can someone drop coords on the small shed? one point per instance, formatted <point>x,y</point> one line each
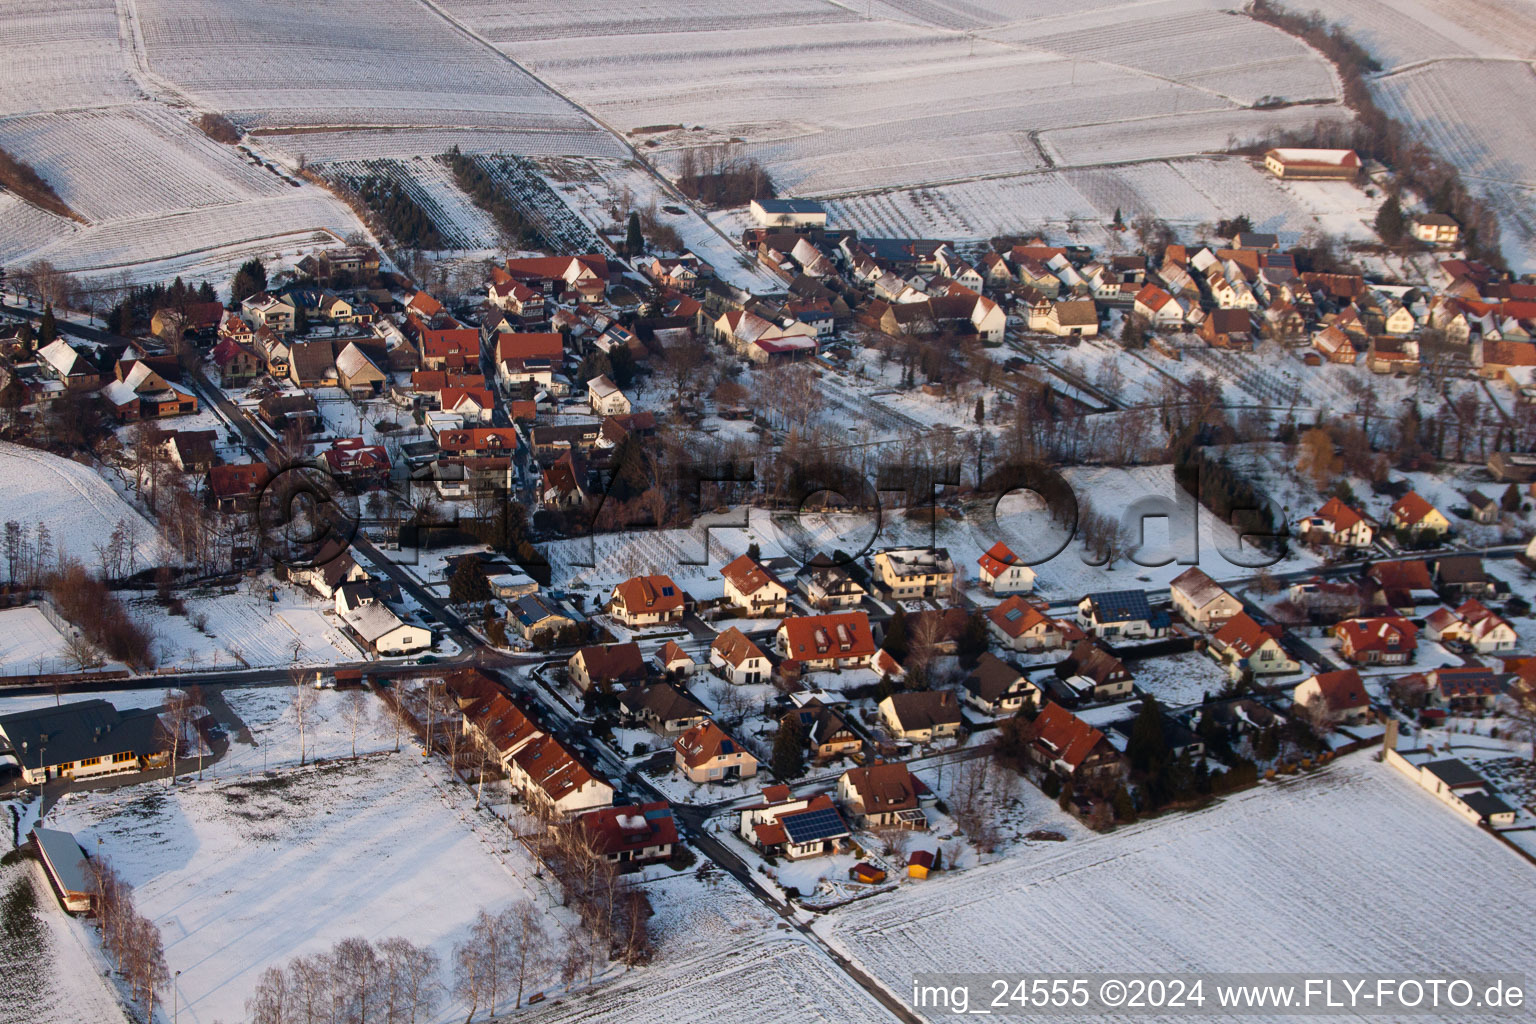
<point>919,863</point>
<point>867,873</point>
<point>64,863</point>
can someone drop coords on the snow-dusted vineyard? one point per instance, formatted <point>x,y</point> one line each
<point>61,55</point>
<point>462,224</point>
<point>563,229</point>
<point>1232,888</point>
<point>353,62</point>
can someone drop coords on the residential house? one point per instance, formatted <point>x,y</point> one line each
<point>1065,744</point>
<point>1414,515</point>
<point>1402,585</point>
<point>237,487</point>
<point>191,451</point>
<point>312,364</point>
<point>1336,525</point>
<point>357,465</point>
<point>1340,695</point>
<point>1467,689</point>
<point>1121,615</point>
<point>534,618</point>
<point>83,740</point>
<point>142,393</point>
<point>1093,671</point>
<point>67,870</point>
<point>793,827</point>
<point>1475,624</point>
<point>1243,644</point>
<point>1335,345</point>
<point>1002,572</point>
<point>763,341</point>
<point>1021,626</point>
<point>1462,576</point>
<point>1228,328</point>
<point>1073,318</point>
<point>642,601</point>
<point>1158,308</point>
<point>605,398</point>
<point>1388,640</point>
<point>915,572</point>
<point>672,658</point>
<point>633,835</point>
<point>826,733</point>
<point>921,716</point>
<point>738,659</point>
<point>274,312</point>
<point>237,363</point>
<point>881,795</point>
<point>750,586</point>
<point>829,642</point>
<point>827,586</point>
<point>706,754</point>
<point>796,214</point>
<point>549,774</point>
<point>357,374</point>
<point>1201,601</point>
<point>995,687</point>
<point>1435,229</point>
<point>605,665</point>
<point>662,707</point>
<point>530,360</point>
<point>1485,511</point>
<point>384,633</point>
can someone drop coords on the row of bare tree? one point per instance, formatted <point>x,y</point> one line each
<point>130,939</point>
<point>354,982</point>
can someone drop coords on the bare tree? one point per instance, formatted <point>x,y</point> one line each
<point>356,712</point>
<point>469,974</point>
<point>527,945</point>
<point>411,986</point>
<point>176,718</point>
<point>303,701</point>
<point>272,1001</point>
<point>146,966</point>
<point>356,974</point>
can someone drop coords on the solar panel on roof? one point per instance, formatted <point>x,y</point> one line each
<point>666,591</point>
<point>1121,604</point>
<point>813,826</point>
<point>1013,614</point>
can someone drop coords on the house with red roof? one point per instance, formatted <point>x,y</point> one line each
<point>882,794</point>
<point>738,659</point>
<point>1472,623</point>
<point>632,835</point>
<point>1338,695</point>
<point>1244,644</point>
<point>1022,626</point>
<point>814,643</point>
<point>706,754</point>
<point>1061,742</point>
<point>752,587</point>
<point>1158,307</point>
<point>1002,572</point>
<point>1388,640</point>
<point>793,827</point>
<point>1416,516</point>
<point>642,601</point>
<point>1336,525</point>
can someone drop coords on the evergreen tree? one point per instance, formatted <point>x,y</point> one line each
<point>754,552</point>
<point>205,293</point>
<point>634,241</point>
<point>973,640</point>
<point>1051,784</point>
<point>26,338</point>
<point>1510,502</point>
<point>468,584</point>
<point>1148,747</point>
<point>1119,220</point>
<point>47,327</point>
<point>250,279</point>
<point>1125,807</point>
<point>1389,220</point>
<point>789,749</point>
<point>300,318</point>
<point>981,410</point>
<point>896,642</point>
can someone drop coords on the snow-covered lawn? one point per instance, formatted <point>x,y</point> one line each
<point>244,872</point>
<point>1230,888</point>
<point>248,629</point>
<point>79,508</point>
<point>29,643</point>
<point>1179,679</point>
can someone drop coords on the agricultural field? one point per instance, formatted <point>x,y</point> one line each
<point>1225,889</point>
<point>62,55</point>
<point>461,224</point>
<point>223,631</point>
<point>29,643</point>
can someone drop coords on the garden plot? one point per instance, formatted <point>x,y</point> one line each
<point>1178,680</point>
<point>62,55</point>
<point>1224,889</point>
<point>249,630</point>
<point>79,507</point>
<point>244,873</point>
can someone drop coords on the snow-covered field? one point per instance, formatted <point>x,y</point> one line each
<point>247,630</point>
<point>79,508</point>
<point>243,871</point>
<point>1313,874</point>
<point>29,643</point>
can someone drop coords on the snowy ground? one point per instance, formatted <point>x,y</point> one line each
<point>248,871</point>
<point>1225,889</point>
<point>1179,679</point>
<point>79,508</point>
<point>29,643</point>
<point>52,974</point>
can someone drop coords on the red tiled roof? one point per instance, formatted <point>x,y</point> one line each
<point>1411,509</point>
<point>1068,738</point>
<point>748,575</point>
<point>816,637</point>
<point>649,594</point>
